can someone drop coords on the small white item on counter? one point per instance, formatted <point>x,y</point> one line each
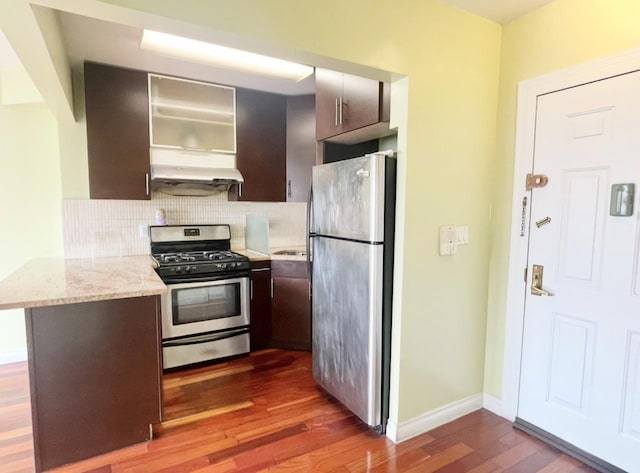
<point>161,217</point>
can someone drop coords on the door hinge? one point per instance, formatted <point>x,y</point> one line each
<point>526,271</point>
<point>536,180</point>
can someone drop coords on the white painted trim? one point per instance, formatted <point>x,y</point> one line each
<point>493,404</point>
<point>392,431</point>
<point>432,419</point>
<point>528,91</point>
<point>13,356</point>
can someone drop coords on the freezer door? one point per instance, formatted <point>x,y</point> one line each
<point>347,324</point>
<point>348,198</point>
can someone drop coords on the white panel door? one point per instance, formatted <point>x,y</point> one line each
<point>580,374</point>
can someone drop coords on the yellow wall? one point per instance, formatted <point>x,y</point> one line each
<point>452,60</point>
<point>16,87</point>
<point>30,215</point>
<point>556,36</point>
<point>453,167</point>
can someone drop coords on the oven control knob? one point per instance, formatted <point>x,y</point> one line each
<point>187,269</point>
<point>221,265</point>
<point>178,269</point>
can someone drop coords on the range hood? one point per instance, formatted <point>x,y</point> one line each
<point>185,172</point>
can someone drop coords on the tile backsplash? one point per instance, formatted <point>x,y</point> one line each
<point>96,228</point>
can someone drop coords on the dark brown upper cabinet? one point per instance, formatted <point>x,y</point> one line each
<point>350,109</point>
<point>261,130</point>
<point>117,108</point>
<point>301,146</point>
<point>274,153</point>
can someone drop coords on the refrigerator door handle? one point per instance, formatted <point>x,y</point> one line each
<point>309,264</point>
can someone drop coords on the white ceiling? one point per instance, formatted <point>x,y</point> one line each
<point>500,11</point>
<point>111,43</point>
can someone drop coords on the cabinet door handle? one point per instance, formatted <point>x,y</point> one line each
<point>340,110</point>
<point>239,189</point>
<point>309,290</point>
<point>272,284</point>
<point>289,188</point>
<point>336,110</point>
<point>146,182</point>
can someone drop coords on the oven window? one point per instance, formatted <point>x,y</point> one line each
<point>205,303</point>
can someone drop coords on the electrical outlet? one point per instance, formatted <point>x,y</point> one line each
<point>143,231</point>
<point>448,238</point>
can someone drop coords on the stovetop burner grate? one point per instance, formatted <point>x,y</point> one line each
<point>198,257</point>
<point>195,251</point>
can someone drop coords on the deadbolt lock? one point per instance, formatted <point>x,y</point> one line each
<point>536,180</point>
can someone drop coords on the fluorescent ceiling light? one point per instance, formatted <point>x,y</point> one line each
<point>221,56</point>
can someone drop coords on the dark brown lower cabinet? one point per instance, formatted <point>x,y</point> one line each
<point>290,305</point>
<point>260,328</point>
<point>95,373</point>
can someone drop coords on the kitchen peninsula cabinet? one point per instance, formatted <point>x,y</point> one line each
<point>94,353</point>
<point>261,130</point>
<point>290,305</point>
<point>346,104</point>
<point>117,115</point>
<point>260,279</point>
<point>95,375</point>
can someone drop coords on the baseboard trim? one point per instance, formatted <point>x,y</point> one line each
<point>12,356</point>
<point>493,404</point>
<point>570,449</point>
<point>432,419</point>
<point>392,431</point>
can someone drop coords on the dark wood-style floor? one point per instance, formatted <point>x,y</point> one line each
<point>265,413</point>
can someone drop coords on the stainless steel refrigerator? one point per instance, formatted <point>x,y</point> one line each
<point>351,231</point>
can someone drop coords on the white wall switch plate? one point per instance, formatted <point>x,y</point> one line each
<point>462,234</point>
<point>448,238</point>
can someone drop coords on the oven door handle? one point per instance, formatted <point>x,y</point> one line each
<point>205,338</point>
<point>224,279</point>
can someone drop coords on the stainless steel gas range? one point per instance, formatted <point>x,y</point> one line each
<point>205,312</point>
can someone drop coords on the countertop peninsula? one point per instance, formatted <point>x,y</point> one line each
<point>54,281</point>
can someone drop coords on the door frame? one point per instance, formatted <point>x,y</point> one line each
<point>528,92</point>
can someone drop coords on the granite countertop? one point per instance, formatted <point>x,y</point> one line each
<point>255,256</point>
<point>56,281</point>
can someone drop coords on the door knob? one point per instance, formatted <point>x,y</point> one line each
<point>536,281</point>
